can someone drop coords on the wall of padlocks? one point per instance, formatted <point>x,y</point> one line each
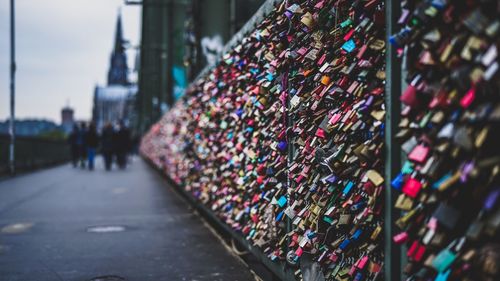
<point>449,133</point>
<point>284,139</point>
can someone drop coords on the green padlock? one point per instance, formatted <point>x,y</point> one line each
<point>443,260</point>
<point>447,256</point>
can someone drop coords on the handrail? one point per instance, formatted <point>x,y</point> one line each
<point>33,152</point>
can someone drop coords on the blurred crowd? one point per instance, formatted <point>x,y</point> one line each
<point>114,142</point>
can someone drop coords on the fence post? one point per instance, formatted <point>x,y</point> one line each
<point>392,257</point>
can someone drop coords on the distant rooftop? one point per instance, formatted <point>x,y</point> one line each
<point>114,92</point>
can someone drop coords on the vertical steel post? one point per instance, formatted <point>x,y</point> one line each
<point>169,42</point>
<point>232,17</point>
<point>141,101</point>
<point>194,68</point>
<point>12,129</point>
<point>392,255</point>
<point>162,35</point>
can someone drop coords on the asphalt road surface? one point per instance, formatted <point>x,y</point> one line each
<point>75,225</point>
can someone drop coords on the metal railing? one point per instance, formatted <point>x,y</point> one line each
<point>32,153</point>
<point>393,262</point>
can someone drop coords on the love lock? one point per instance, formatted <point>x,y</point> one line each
<point>292,258</point>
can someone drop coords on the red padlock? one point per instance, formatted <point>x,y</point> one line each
<point>412,187</point>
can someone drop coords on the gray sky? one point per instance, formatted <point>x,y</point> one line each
<point>62,51</point>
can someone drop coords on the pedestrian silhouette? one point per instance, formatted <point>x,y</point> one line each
<point>122,145</point>
<point>81,144</point>
<point>92,141</point>
<point>74,145</point>
<point>107,145</point>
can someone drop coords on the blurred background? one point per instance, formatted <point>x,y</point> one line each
<point>82,79</point>
<point>103,61</point>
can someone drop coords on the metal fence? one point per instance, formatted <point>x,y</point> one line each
<point>32,153</point>
<point>393,262</point>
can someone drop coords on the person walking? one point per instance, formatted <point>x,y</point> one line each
<point>81,145</point>
<point>122,145</point>
<point>107,150</point>
<point>72,141</point>
<point>92,141</point>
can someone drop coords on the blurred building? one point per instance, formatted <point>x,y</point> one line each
<point>67,119</point>
<point>115,101</point>
<point>30,127</point>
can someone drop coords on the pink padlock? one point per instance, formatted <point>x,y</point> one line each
<point>400,238</point>
<point>362,262</point>
<point>468,98</point>
<point>412,187</point>
<point>419,153</point>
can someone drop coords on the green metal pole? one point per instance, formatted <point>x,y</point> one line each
<point>392,263</point>
<point>168,63</point>
<point>141,102</point>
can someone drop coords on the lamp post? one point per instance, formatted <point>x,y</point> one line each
<point>12,132</point>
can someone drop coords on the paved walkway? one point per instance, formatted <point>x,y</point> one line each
<point>45,218</point>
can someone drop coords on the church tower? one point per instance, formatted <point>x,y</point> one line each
<point>118,70</point>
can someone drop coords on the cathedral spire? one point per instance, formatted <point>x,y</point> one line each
<point>118,70</point>
<point>119,34</point>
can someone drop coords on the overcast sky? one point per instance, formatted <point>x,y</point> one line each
<point>63,49</point>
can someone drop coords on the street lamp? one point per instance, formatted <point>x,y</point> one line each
<point>12,132</point>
